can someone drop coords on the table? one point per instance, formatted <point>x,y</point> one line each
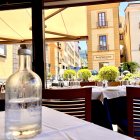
<point>108,92</point>
<point>59,126</point>
<point>99,93</point>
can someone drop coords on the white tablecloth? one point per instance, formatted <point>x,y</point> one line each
<point>108,92</point>
<point>100,93</point>
<point>59,126</point>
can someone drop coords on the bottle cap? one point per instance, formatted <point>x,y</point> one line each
<point>23,50</point>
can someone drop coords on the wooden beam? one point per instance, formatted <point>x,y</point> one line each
<point>9,39</point>
<point>55,13</point>
<point>29,41</point>
<point>66,39</point>
<point>48,4</point>
<point>61,34</point>
<point>17,42</point>
<point>9,42</point>
<point>8,5</point>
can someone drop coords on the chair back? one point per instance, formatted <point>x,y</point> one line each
<point>116,109</point>
<point>2,104</point>
<point>75,102</point>
<point>87,84</point>
<point>133,110</point>
<point>99,115</point>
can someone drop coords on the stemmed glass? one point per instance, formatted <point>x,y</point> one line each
<point>133,82</point>
<point>105,83</point>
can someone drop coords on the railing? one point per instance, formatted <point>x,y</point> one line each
<point>102,24</point>
<point>103,48</point>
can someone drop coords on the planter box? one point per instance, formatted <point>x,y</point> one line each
<point>125,82</point>
<point>109,84</point>
<point>114,83</point>
<point>87,84</point>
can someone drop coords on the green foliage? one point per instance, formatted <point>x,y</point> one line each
<point>84,74</point>
<point>49,75</point>
<point>128,77</point>
<point>130,66</point>
<point>131,76</point>
<point>69,74</point>
<point>136,75</point>
<point>84,67</point>
<point>94,78</point>
<point>109,73</point>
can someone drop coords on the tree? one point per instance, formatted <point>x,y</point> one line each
<point>130,66</point>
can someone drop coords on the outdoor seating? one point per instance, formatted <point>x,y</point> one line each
<point>99,115</point>
<point>75,102</point>
<point>59,126</point>
<point>2,105</point>
<point>133,111</point>
<point>116,109</point>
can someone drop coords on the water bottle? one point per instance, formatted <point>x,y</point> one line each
<point>23,100</point>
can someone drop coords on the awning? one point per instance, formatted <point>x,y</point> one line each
<point>60,24</point>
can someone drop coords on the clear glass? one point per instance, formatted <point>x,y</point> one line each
<point>23,112</point>
<point>105,83</point>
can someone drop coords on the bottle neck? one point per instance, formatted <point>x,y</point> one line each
<point>24,62</point>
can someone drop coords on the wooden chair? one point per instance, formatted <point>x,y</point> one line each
<point>99,115</point>
<point>75,102</point>
<point>87,84</point>
<point>133,110</point>
<point>116,109</point>
<point>2,104</point>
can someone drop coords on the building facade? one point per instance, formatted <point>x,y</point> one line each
<point>121,36</point>
<point>103,35</point>
<point>132,32</point>
<point>61,56</point>
<point>83,55</point>
<point>6,61</point>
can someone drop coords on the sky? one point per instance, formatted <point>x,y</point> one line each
<point>122,7</point>
<point>83,45</point>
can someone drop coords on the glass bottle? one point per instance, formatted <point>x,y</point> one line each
<point>23,100</point>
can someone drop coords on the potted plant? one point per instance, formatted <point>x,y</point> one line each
<point>49,75</point>
<point>84,74</point>
<point>109,73</point>
<point>94,78</point>
<point>127,78</point>
<point>130,66</point>
<point>69,74</point>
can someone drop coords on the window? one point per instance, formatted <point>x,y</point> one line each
<point>101,19</point>
<point>120,25</point>
<point>2,50</point>
<point>103,42</point>
<point>102,64</point>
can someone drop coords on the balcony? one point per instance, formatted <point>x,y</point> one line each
<point>103,48</point>
<point>102,24</point>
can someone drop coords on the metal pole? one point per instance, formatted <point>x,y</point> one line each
<point>38,40</point>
